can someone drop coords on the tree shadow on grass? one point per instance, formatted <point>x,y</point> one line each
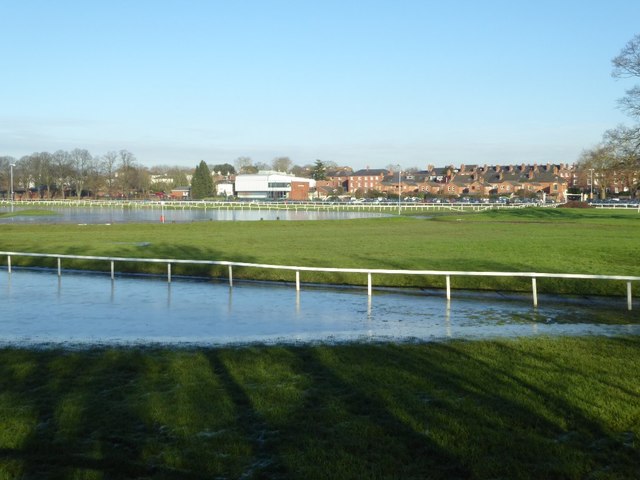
<point>443,411</point>
<point>265,461</point>
<point>323,426</point>
<point>80,423</point>
<point>528,419</point>
<point>434,411</point>
<point>380,444</point>
<point>85,423</point>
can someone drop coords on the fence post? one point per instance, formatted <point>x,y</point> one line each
<point>535,291</point>
<point>59,267</point>
<point>9,263</point>
<point>629,299</point>
<point>230,276</point>
<point>297,280</point>
<point>168,273</point>
<point>369,283</point>
<point>112,271</point>
<point>448,287</point>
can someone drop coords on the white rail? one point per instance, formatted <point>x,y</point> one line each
<point>385,207</point>
<point>368,271</point>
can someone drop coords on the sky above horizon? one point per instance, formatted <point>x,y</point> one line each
<point>359,83</point>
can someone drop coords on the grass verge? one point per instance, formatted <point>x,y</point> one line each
<point>518,409</point>
<point>28,213</point>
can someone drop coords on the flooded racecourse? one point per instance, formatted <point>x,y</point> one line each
<point>38,308</point>
<point>102,215</point>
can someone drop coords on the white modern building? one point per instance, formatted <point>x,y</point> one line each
<point>268,185</point>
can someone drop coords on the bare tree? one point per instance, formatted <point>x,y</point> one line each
<point>300,171</point>
<point>140,181</point>
<point>23,173</point>
<point>96,177</point>
<point>282,164</point>
<point>623,144</point>
<point>108,167</point>
<point>5,168</point>
<point>62,170</point>
<point>601,163</point>
<point>44,175</point>
<point>81,164</point>
<point>126,171</point>
<point>627,65</point>
<point>243,165</point>
<point>179,176</point>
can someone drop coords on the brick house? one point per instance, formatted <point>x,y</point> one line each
<point>366,180</point>
<point>552,180</point>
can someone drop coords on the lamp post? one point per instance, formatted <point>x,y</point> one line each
<point>591,185</point>
<point>11,165</point>
<point>399,189</point>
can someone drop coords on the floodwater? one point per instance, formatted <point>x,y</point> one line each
<point>102,215</point>
<point>38,308</point>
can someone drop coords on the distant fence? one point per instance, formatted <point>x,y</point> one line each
<point>617,206</point>
<point>312,206</point>
<point>319,206</point>
<point>369,272</point>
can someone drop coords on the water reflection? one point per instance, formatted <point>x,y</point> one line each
<point>103,215</point>
<point>41,308</point>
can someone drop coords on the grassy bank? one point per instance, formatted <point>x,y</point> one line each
<point>526,409</point>
<point>28,213</point>
<point>543,240</point>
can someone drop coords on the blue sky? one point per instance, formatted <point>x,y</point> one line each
<point>360,83</point>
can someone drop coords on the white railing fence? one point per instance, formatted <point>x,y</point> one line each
<point>367,271</point>
<point>385,207</point>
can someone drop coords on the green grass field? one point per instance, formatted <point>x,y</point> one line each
<point>539,240</point>
<point>28,213</point>
<point>539,408</point>
<point>518,409</point>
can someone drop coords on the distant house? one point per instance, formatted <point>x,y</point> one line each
<point>224,189</point>
<point>338,178</point>
<point>476,180</point>
<point>161,178</point>
<point>180,193</point>
<point>367,179</point>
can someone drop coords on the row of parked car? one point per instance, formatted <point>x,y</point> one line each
<point>615,201</point>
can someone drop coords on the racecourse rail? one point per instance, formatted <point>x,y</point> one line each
<point>297,269</point>
<point>319,206</point>
<point>389,207</point>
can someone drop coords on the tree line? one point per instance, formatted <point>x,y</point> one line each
<point>616,159</point>
<point>76,173</point>
<point>117,174</point>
